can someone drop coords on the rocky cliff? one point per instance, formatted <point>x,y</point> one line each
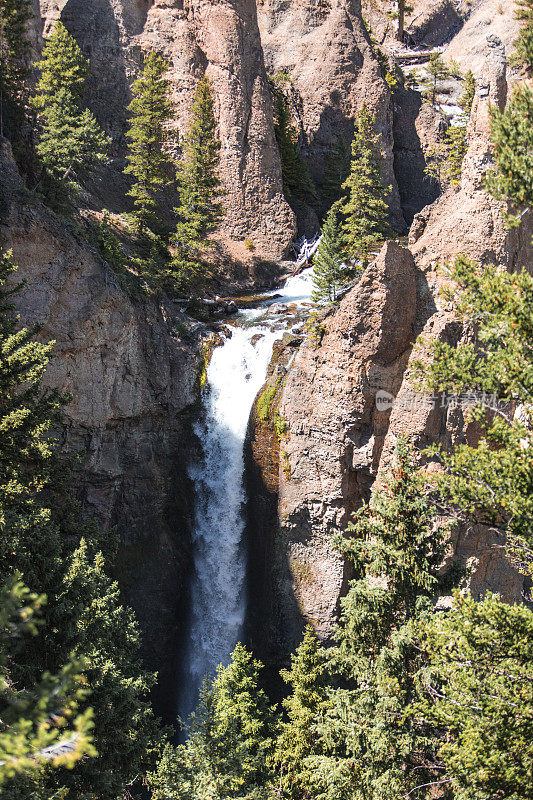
<point>132,369</point>
<point>196,36</point>
<point>325,50</point>
<point>348,397</point>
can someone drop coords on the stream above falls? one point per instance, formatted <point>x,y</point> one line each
<point>235,374</point>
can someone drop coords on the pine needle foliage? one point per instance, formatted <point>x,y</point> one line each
<point>512,136</point>
<point>232,737</point>
<point>523,54</point>
<point>330,273</point>
<point>44,537</point>
<point>370,746</point>
<point>39,725</point>
<point>336,170</point>
<point>199,211</point>
<point>437,71</point>
<point>477,691</point>
<point>14,14</point>
<point>456,135</point>
<point>297,182</point>
<point>71,141</point>
<point>491,482</point>
<point>150,111</point>
<point>308,678</point>
<point>365,210</point>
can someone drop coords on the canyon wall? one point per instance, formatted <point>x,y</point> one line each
<point>340,436</point>
<point>326,53</point>
<point>196,36</point>
<point>132,368</point>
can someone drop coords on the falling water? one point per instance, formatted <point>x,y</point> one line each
<point>235,374</point>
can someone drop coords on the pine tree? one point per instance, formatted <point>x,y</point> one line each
<point>14,14</point>
<point>399,15</point>
<point>370,749</point>
<point>437,71</point>
<point>231,741</point>
<point>490,482</point>
<point>150,110</point>
<point>71,140</point>
<point>469,92</point>
<point>330,272</point>
<point>524,46</point>
<point>297,182</point>
<point>200,211</point>
<point>42,535</point>
<point>512,136</point>
<point>40,725</point>
<point>456,136</point>
<point>456,148</point>
<point>365,209</point>
<point>336,170</point>
<point>478,692</point>
<point>309,679</point>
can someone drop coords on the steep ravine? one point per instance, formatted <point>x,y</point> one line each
<point>132,368</point>
<point>133,364</point>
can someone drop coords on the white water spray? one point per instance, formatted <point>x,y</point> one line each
<point>235,374</point>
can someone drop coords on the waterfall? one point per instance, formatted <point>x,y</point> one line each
<point>235,374</point>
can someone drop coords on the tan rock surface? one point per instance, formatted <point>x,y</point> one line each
<point>327,54</point>
<point>335,437</point>
<point>340,438</point>
<point>221,38</point>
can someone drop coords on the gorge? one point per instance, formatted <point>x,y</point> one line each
<point>228,452</point>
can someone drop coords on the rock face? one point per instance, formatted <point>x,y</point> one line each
<point>196,36</point>
<point>490,17</point>
<point>433,22</point>
<point>326,52</point>
<point>348,396</point>
<point>335,439</point>
<point>417,128</point>
<point>134,385</point>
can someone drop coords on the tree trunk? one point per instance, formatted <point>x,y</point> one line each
<point>401,20</point>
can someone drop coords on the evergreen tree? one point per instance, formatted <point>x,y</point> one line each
<point>41,536</point>
<point>456,135</point>
<point>456,148</point>
<point>14,14</point>
<point>231,741</point>
<point>478,692</point>
<point>309,679</point>
<point>402,8</point>
<point>330,272</point>
<point>365,209</point>
<point>336,170</point>
<point>40,725</point>
<point>200,211</point>
<point>150,110</point>
<point>469,92</point>
<point>297,182</point>
<point>437,71</point>
<point>370,749</point>
<point>524,45</point>
<point>71,140</point>
<point>492,481</point>
<point>512,136</point>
